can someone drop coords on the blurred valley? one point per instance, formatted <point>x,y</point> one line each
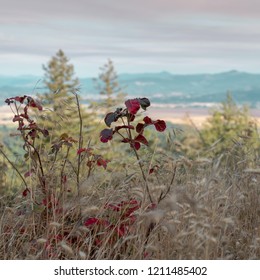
<point>163,89</point>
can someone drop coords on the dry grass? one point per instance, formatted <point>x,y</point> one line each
<point>211,212</point>
<point>206,208</point>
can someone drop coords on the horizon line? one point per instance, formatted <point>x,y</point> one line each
<point>145,72</point>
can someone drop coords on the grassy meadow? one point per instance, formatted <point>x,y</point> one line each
<point>78,198</point>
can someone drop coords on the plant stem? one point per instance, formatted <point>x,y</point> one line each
<point>14,167</point>
<point>139,162</point>
<point>80,141</point>
<point>42,178</point>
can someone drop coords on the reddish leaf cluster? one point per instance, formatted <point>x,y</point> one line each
<point>64,140</point>
<point>106,135</point>
<point>154,169</point>
<point>160,125</point>
<point>132,107</point>
<point>92,158</point>
<point>22,118</point>
<point>136,142</point>
<point>30,102</point>
<point>119,226</point>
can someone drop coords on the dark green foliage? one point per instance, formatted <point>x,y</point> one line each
<point>230,128</point>
<point>59,77</point>
<point>61,109</point>
<point>109,88</point>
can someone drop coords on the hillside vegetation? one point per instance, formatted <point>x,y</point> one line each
<point>74,203</point>
<point>120,184</point>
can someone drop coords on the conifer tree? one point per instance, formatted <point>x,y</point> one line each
<point>230,124</point>
<point>109,88</point>
<point>59,100</point>
<point>59,77</point>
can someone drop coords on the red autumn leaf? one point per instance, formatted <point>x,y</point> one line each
<point>153,169</point>
<point>131,117</point>
<point>106,135</point>
<point>133,202</point>
<point>134,144</point>
<point>17,118</point>
<point>137,145</point>
<point>148,120</point>
<point>160,125</point>
<point>96,221</point>
<point>140,138</point>
<point>34,104</point>
<point>81,151</point>
<point>25,192</point>
<point>20,98</point>
<point>102,162</point>
<point>91,221</point>
<point>121,230</point>
<point>139,127</point>
<point>127,207</point>
<point>132,105</point>
<point>33,133</point>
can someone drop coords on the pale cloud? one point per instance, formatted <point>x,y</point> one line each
<point>149,35</point>
<point>123,9</point>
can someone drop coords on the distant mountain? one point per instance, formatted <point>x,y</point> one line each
<point>162,88</point>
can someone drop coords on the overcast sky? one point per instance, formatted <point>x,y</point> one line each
<point>180,36</point>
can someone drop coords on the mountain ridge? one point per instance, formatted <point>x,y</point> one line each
<point>162,87</point>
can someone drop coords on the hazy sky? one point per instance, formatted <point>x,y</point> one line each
<point>180,36</point>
